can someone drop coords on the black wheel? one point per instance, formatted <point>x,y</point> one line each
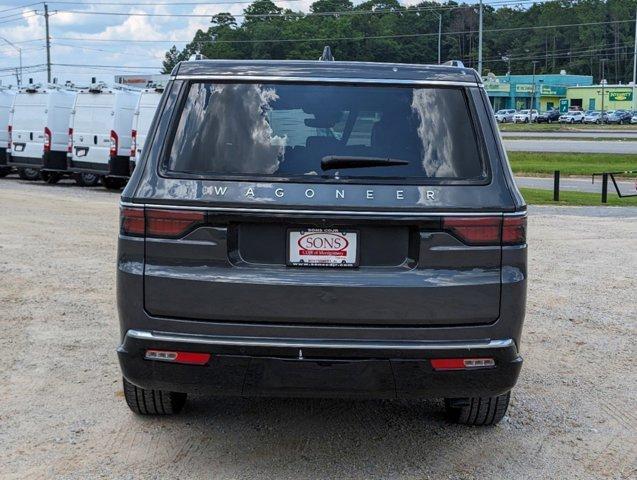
<point>50,177</point>
<point>478,411</point>
<point>152,402</point>
<point>86,179</point>
<point>4,171</point>
<point>30,174</point>
<point>113,183</point>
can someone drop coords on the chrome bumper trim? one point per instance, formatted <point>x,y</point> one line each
<point>329,344</point>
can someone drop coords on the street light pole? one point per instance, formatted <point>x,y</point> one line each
<point>603,82</point>
<point>19,50</point>
<point>535,62</point>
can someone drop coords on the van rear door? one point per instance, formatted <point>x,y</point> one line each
<point>261,180</point>
<point>28,122</point>
<point>92,124</point>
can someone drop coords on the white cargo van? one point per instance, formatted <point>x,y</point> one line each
<point>100,128</point>
<point>6,102</point>
<point>38,130</point>
<point>144,113</point>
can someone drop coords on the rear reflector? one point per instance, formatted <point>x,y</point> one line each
<point>188,358</point>
<point>171,223</point>
<point>461,363</point>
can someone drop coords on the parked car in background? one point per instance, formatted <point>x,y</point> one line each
<point>260,255</point>
<point>633,119</point>
<point>619,117</point>
<point>574,116</point>
<point>6,101</point>
<point>144,113</point>
<point>525,116</point>
<point>549,116</point>
<point>504,116</point>
<point>100,133</point>
<point>593,117</point>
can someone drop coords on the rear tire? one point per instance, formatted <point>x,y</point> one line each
<point>111,183</point>
<point>50,177</point>
<point>87,179</point>
<point>152,402</point>
<point>30,174</point>
<point>477,411</point>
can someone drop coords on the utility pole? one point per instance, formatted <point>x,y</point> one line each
<point>480,43</point>
<point>440,36</point>
<point>635,66</point>
<point>48,44</point>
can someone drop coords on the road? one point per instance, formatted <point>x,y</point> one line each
<point>62,412</point>
<point>624,134</point>
<point>570,146</point>
<point>575,184</point>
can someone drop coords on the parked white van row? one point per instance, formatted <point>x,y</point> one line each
<point>91,134</point>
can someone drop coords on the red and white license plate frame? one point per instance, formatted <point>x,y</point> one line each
<point>322,247</point>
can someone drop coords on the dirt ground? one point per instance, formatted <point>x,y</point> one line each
<point>62,412</point>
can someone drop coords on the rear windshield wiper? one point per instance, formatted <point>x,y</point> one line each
<point>331,162</point>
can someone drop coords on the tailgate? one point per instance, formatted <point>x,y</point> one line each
<point>235,268</point>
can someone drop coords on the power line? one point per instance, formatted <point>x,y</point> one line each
<point>398,11</point>
<point>332,39</point>
<point>20,6</point>
<point>35,14</point>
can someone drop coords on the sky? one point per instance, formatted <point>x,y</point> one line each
<point>86,43</point>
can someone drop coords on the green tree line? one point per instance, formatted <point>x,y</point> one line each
<point>600,35</point>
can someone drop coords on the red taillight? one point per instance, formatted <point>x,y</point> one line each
<point>189,358</point>
<point>475,230</point>
<point>487,230</point>
<point>47,139</point>
<point>133,147</point>
<point>158,223</point>
<point>9,132</point>
<point>114,143</point>
<point>69,147</point>
<point>171,223</point>
<point>514,230</point>
<point>461,363</point>
<point>131,221</point>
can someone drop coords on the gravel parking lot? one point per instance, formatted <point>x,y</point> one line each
<point>62,412</point>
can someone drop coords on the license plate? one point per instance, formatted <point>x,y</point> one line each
<point>322,247</point>
<point>18,147</point>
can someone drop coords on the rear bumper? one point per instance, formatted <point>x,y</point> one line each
<point>24,162</point>
<point>257,366</point>
<point>54,161</point>
<point>87,167</point>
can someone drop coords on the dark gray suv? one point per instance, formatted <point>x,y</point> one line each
<point>331,229</point>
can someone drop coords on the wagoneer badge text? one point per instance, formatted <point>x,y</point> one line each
<point>338,193</point>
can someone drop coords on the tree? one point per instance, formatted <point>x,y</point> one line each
<point>171,59</point>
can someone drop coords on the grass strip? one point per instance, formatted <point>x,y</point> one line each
<point>536,196</point>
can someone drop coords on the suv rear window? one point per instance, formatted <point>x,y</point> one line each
<point>288,130</point>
